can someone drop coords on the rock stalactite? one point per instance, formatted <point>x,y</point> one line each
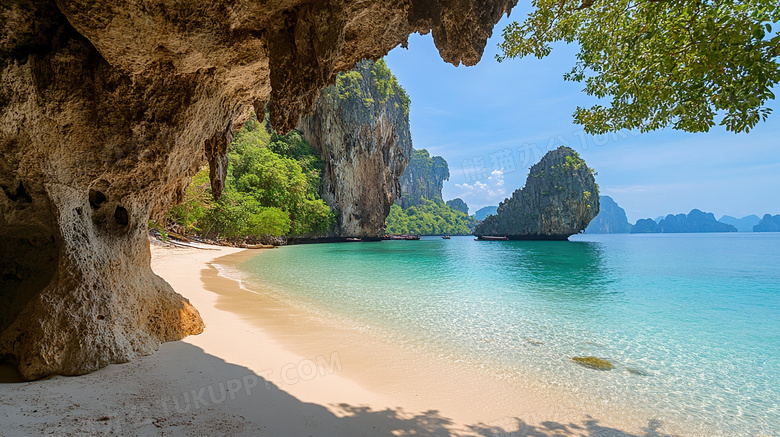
<point>107,109</point>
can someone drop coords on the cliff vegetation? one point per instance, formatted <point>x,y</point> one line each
<point>429,217</point>
<point>420,209</point>
<point>270,190</point>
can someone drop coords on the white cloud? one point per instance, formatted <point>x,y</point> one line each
<point>489,192</point>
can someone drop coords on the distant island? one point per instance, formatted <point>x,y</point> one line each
<point>486,211</point>
<point>745,224</point>
<point>695,221</point>
<point>768,223</point>
<point>612,219</point>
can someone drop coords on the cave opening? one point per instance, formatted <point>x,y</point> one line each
<point>121,216</point>
<point>19,194</point>
<point>96,198</point>
<point>28,261</point>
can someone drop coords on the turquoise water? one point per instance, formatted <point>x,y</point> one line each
<point>691,321</point>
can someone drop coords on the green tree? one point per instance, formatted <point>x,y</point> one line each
<point>271,189</point>
<point>429,217</point>
<point>679,63</point>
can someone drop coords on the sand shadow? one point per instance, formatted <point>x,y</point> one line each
<point>210,396</point>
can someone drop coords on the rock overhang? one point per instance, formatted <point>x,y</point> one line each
<point>106,110</point>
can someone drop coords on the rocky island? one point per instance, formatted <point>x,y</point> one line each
<point>559,199</point>
<point>694,222</point>
<point>768,223</point>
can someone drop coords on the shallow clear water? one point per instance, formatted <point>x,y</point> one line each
<point>691,321</point>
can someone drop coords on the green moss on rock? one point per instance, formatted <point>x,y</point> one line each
<point>594,363</point>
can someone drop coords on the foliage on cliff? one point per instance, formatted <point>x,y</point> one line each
<point>354,84</point>
<point>423,178</point>
<point>429,217</point>
<point>270,190</point>
<point>662,63</point>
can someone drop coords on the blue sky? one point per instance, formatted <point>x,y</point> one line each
<point>491,122</point>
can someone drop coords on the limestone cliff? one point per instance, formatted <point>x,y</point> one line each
<point>360,127</point>
<point>611,219</point>
<point>107,109</point>
<point>458,205</point>
<point>423,179</point>
<point>559,199</point>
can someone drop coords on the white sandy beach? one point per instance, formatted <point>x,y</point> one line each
<point>261,368</point>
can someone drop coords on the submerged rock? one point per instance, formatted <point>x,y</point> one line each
<point>559,199</point>
<point>594,363</point>
<point>637,371</point>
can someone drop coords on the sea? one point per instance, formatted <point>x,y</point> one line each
<point>691,322</point>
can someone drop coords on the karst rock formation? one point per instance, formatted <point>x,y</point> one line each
<point>360,127</point>
<point>559,199</point>
<point>106,110</point>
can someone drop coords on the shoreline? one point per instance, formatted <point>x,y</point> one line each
<point>265,367</point>
<point>421,382</point>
